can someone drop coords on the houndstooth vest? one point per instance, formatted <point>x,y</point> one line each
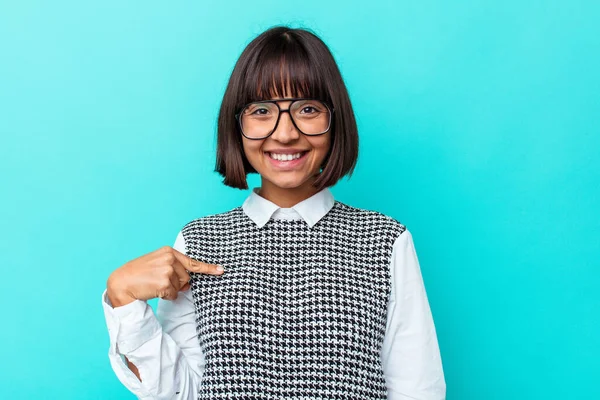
<point>300,312</point>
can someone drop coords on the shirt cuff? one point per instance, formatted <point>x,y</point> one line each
<point>131,325</point>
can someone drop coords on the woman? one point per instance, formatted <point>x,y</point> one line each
<point>293,294</point>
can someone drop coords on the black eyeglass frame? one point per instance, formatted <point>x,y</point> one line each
<point>293,100</point>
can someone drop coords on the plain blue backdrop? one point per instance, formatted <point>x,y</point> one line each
<point>479,131</point>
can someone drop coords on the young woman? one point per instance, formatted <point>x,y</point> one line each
<point>293,294</point>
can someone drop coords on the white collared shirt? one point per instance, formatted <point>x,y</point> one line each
<point>166,351</point>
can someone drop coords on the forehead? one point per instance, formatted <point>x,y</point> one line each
<point>284,86</point>
<point>283,76</point>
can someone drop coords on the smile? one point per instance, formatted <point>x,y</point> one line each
<point>285,157</point>
<point>286,161</point>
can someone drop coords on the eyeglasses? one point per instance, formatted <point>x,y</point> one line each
<point>259,119</point>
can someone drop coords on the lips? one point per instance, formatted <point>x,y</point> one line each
<point>286,151</point>
<point>287,165</point>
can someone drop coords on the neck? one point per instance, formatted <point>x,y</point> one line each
<point>286,197</point>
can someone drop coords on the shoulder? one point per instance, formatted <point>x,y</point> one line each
<point>371,219</point>
<point>213,221</point>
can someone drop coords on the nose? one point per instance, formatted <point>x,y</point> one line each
<point>285,131</point>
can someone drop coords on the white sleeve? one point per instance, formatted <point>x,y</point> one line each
<point>410,354</point>
<point>164,347</point>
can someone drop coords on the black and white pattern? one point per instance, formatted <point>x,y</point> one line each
<point>300,312</point>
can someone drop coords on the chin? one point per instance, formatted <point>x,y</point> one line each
<point>288,183</point>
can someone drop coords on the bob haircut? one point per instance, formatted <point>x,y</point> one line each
<point>278,59</point>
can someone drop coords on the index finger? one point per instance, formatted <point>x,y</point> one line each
<point>197,266</point>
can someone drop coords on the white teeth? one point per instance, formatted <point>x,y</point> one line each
<point>285,157</point>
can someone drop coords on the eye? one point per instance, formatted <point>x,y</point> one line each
<point>259,111</point>
<point>308,110</point>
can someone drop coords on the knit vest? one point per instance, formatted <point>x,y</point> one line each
<point>300,312</point>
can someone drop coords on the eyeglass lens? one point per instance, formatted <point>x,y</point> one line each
<point>258,119</point>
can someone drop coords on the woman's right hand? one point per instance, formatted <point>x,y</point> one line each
<point>161,273</point>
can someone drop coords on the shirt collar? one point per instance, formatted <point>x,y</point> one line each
<point>260,210</point>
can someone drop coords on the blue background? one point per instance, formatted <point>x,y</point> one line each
<point>479,131</point>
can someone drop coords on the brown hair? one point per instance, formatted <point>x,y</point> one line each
<point>280,58</point>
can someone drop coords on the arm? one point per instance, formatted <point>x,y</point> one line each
<point>410,354</point>
<point>163,349</point>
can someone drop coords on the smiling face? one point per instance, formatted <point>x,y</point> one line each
<point>279,65</point>
<point>287,181</point>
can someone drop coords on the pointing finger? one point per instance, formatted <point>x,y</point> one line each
<point>197,266</point>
